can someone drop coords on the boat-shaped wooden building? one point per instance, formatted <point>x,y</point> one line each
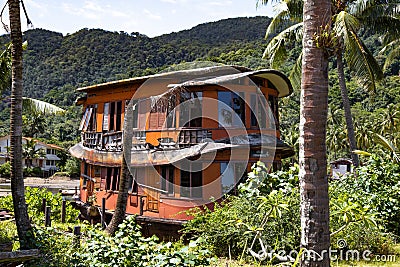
<point>195,135</point>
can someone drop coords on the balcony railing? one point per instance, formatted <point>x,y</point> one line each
<point>112,142</point>
<point>193,136</point>
<point>103,141</point>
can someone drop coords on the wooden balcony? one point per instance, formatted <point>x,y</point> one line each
<point>113,141</point>
<point>103,141</point>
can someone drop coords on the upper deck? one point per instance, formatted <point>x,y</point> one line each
<point>179,109</point>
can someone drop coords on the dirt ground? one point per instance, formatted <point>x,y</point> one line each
<point>53,183</point>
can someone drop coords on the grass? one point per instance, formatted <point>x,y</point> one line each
<point>392,260</point>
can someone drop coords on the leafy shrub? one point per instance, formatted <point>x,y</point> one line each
<point>5,169</point>
<point>8,231</point>
<point>32,171</point>
<point>129,248</point>
<point>267,206</point>
<point>377,186</point>
<point>33,198</point>
<point>72,167</point>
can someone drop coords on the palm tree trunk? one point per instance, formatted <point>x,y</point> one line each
<point>314,205</point>
<point>347,110</point>
<point>120,209</point>
<point>17,181</point>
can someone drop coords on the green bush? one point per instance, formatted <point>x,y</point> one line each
<point>127,248</point>
<point>267,205</point>
<point>377,186</point>
<point>73,167</point>
<point>33,198</point>
<point>32,171</point>
<point>5,169</point>
<point>8,232</point>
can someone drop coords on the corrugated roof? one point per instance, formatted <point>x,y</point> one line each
<point>209,76</point>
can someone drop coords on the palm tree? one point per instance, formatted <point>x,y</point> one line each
<point>17,182</point>
<point>348,17</point>
<point>120,208</point>
<point>30,152</point>
<point>314,205</point>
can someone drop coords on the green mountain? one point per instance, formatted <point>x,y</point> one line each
<point>54,65</point>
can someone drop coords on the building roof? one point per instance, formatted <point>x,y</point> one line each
<point>37,141</point>
<point>208,76</point>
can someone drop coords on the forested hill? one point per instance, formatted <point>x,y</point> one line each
<point>54,65</point>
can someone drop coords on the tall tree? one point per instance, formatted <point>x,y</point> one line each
<point>314,205</point>
<point>348,18</point>
<point>17,181</point>
<point>120,208</point>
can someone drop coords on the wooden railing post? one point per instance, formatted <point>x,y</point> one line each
<point>47,214</point>
<point>43,204</point>
<point>77,236</point>
<point>103,213</point>
<point>63,210</point>
<point>141,205</point>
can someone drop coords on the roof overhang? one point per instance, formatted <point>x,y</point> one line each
<point>217,75</point>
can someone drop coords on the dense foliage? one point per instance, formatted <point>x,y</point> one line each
<point>267,209</point>
<point>127,248</point>
<point>34,197</point>
<point>55,65</point>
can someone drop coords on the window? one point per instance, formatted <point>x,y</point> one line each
<point>157,116</point>
<point>273,103</point>
<point>112,116</point>
<point>135,108</point>
<point>231,174</point>
<point>170,121</point>
<point>258,111</point>
<point>88,121</point>
<point>231,109</point>
<point>132,185</point>
<point>192,181</point>
<point>50,163</point>
<point>112,179</point>
<point>85,173</point>
<point>190,109</point>
<point>136,174</point>
<point>50,151</point>
<point>167,179</point>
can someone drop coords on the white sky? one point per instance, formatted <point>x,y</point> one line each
<point>151,17</point>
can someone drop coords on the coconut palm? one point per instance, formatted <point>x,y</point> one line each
<point>17,182</point>
<point>120,207</point>
<point>348,17</point>
<point>30,151</point>
<point>314,205</point>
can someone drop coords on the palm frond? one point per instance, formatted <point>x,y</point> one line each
<point>388,145</point>
<point>280,19</point>
<point>379,16</point>
<point>276,51</point>
<point>264,2</point>
<point>374,8</point>
<point>287,13</point>
<point>38,106</point>
<point>5,68</point>
<point>359,58</point>
<point>393,51</point>
<point>295,74</point>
